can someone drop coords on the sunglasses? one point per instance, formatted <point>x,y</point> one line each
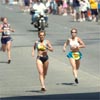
<point>73,32</point>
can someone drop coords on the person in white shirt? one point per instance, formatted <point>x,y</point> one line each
<point>83,9</point>
<point>48,6</point>
<point>39,8</point>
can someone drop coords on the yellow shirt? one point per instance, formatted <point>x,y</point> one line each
<point>93,4</point>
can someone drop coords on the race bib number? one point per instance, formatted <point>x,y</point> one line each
<point>76,55</point>
<point>6,31</point>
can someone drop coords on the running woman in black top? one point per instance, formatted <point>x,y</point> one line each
<point>6,40</point>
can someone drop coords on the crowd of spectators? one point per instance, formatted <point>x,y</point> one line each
<point>80,10</point>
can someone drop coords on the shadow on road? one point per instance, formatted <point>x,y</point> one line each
<point>32,30</point>
<point>75,96</point>
<point>72,84</point>
<point>3,62</point>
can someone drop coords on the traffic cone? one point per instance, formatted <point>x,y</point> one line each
<point>89,15</point>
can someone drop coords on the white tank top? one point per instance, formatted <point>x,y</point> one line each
<point>73,42</point>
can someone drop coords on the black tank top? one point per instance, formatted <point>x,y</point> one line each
<point>6,28</point>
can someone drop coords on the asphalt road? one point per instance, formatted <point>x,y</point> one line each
<point>19,80</point>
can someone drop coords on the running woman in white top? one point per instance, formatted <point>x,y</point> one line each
<point>74,55</point>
